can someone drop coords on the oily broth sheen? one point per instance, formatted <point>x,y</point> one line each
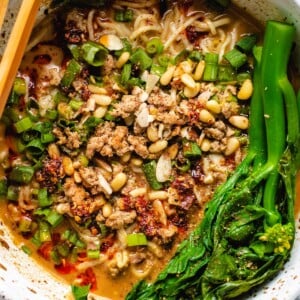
<point>117,288</point>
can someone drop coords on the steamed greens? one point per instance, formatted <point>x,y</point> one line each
<point>248,229</point>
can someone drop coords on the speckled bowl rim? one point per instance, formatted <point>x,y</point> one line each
<point>22,279</point>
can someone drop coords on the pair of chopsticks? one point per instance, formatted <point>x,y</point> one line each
<point>16,45</point>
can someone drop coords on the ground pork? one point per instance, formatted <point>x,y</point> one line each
<point>71,139</point>
<point>94,181</point>
<point>108,140</point>
<point>128,105</point>
<point>138,144</point>
<point>119,219</point>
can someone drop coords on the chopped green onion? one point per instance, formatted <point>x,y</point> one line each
<point>191,150</point>
<point>36,239</point>
<point>12,193</point>
<point>246,43</point>
<point>140,58</point>
<point>55,257</point>
<point>126,72</point>
<point>136,239</point>
<point>241,77</point>
<point>43,198</point>
<point>63,249</point>
<point>183,166</point>
<point>23,125</point>
<point>94,54</point>
<point>236,58</point>
<point>125,15</point>
<point>47,138</point>
<point>26,249</point>
<point>181,56</point>
<point>154,46</point>
<point>3,187</point>
<point>73,69</point>
<point>35,147</point>
<point>75,104</point>
<point>226,74</point>
<point>25,224</point>
<point>75,50</point>
<point>93,253</point>
<point>195,56</point>
<point>51,114</point>
<point>66,234</point>
<point>150,173</point>
<point>80,292</point>
<point>157,69</point>
<point>13,98</point>
<point>163,60</point>
<point>19,86</point>
<point>211,67</point>
<point>32,109</point>
<point>21,174</point>
<point>44,232</point>
<point>54,218</point>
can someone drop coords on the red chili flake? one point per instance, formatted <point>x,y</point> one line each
<point>45,250</point>
<point>42,59</point>
<point>65,267</point>
<point>193,35</point>
<point>107,243</point>
<point>146,217</point>
<point>88,277</point>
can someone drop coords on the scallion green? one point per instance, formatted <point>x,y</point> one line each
<point>236,58</point>
<point>94,54</point>
<point>73,69</point>
<point>23,125</point>
<point>136,239</point>
<point>21,174</point>
<point>211,67</point>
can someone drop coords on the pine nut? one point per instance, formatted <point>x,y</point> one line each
<point>240,122</point>
<point>122,59</point>
<point>106,210</point>
<point>97,89</point>
<point>136,162</point>
<point>172,151</point>
<point>158,146</point>
<point>232,145</point>
<point>206,117</point>
<point>199,70</point>
<point>166,78</point>
<point>100,112</point>
<point>188,80</point>
<point>186,67</point>
<point>68,165</point>
<point>205,145</point>
<point>246,90</point>
<point>102,100</point>
<point>77,177</point>
<point>53,151</point>
<point>152,133</point>
<point>138,192</point>
<point>160,195</point>
<point>213,106</point>
<point>126,157</point>
<point>118,182</point>
<point>158,207</point>
<point>191,92</point>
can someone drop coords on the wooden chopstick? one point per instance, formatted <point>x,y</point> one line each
<point>15,47</point>
<point>3,9</point>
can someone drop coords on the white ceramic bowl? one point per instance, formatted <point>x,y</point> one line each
<point>22,279</point>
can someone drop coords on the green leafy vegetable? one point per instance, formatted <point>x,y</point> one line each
<point>248,229</point>
<point>80,292</point>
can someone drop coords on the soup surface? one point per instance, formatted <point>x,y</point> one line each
<point>122,122</point>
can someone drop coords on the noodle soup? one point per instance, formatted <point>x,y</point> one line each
<point>120,126</point>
